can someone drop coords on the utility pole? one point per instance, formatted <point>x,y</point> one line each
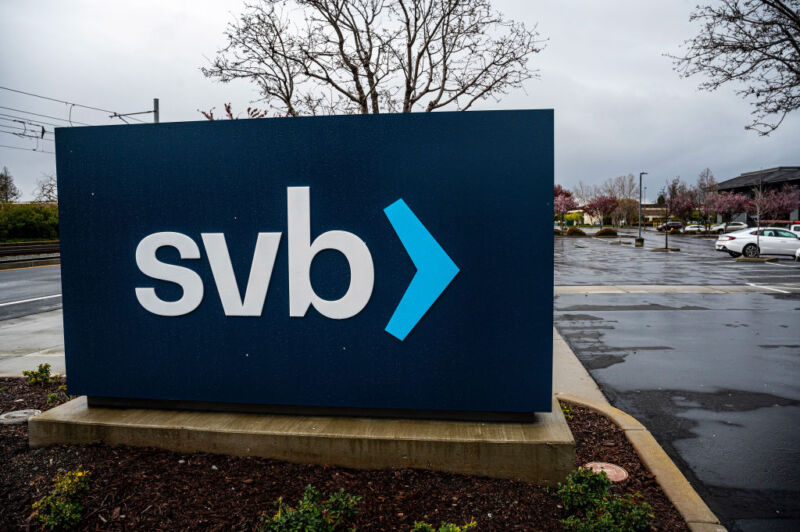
<point>155,110</point>
<point>640,240</point>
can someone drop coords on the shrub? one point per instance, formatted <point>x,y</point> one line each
<point>60,508</point>
<point>612,515</point>
<point>28,221</point>
<point>574,231</point>
<point>312,513</point>
<point>40,376</point>
<point>567,410</point>
<point>444,527</point>
<point>556,232</point>
<point>606,232</point>
<point>589,494</point>
<point>583,489</point>
<point>60,395</point>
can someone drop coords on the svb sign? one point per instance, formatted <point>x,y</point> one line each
<point>398,264</point>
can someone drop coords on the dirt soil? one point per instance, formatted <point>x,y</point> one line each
<point>152,489</point>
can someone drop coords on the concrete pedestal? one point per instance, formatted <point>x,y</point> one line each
<point>542,452</point>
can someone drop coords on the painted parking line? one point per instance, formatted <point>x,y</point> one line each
<point>754,285</point>
<point>777,275</point>
<point>28,300</point>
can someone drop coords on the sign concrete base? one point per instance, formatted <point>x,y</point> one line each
<point>542,452</point>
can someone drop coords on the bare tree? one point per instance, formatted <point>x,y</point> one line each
<point>584,193</point>
<point>46,189</point>
<point>374,56</point>
<point>621,187</point>
<point>755,43</point>
<point>9,192</point>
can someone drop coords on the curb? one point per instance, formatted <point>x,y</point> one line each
<point>696,513</point>
<point>13,265</point>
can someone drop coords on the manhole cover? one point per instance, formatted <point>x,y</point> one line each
<point>614,472</point>
<point>18,417</point>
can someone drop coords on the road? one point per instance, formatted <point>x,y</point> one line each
<point>714,376</point>
<point>29,291</point>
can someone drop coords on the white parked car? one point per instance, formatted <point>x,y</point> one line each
<point>694,228</point>
<point>771,240</point>
<point>795,228</point>
<point>733,226</point>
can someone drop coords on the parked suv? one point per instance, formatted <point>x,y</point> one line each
<point>669,225</point>
<point>733,226</point>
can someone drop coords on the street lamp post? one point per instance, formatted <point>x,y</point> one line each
<point>640,241</point>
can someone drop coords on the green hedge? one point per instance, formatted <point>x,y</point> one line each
<point>28,221</point>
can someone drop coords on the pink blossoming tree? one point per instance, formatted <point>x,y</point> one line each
<point>601,207</point>
<point>562,205</point>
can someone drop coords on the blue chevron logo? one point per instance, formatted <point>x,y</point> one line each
<point>435,269</point>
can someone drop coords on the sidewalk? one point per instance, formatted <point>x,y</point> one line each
<point>31,340</point>
<point>569,375</point>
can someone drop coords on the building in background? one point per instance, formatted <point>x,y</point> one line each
<point>772,178</point>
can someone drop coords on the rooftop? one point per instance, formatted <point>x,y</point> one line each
<point>771,176</point>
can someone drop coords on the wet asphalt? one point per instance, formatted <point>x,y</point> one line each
<point>28,291</point>
<point>715,377</point>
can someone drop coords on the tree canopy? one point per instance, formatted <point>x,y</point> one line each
<point>754,43</point>
<point>374,56</point>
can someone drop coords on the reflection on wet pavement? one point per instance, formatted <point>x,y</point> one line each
<point>715,377</point>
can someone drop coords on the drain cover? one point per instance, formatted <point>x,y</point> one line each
<point>17,417</point>
<point>614,472</point>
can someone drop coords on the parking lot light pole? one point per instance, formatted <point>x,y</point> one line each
<point>639,241</point>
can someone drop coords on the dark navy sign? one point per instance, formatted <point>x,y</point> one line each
<point>372,262</point>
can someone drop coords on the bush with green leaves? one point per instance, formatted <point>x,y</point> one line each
<point>583,489</point>
<point>60,509</point>
<point>28,221</point>
<point>421,526</point>
<point>39,376</point>
<point>312,513</point>
<point>587,495</point>
<point>574,231</point>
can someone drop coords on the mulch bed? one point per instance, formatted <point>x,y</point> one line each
<point>151,489</point>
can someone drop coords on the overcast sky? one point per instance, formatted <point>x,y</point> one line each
<point>619,106</point>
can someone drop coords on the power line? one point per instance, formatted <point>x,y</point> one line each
<point>64,102</point>
<point>14,118</point>
<point>25,135</point>
<point>45,116</point>
<point>26,149</point>
<point>27,129</point>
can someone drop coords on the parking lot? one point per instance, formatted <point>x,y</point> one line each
<point>704,351</point>
<point>592,261</point>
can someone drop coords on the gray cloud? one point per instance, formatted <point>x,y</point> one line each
<point>619,106</point>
